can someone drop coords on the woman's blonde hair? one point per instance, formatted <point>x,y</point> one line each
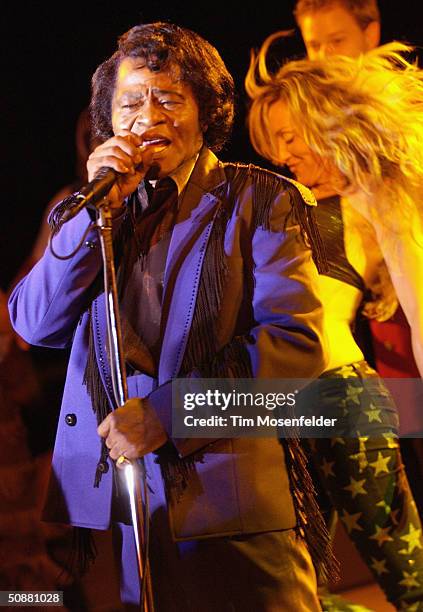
<point>365,115</point>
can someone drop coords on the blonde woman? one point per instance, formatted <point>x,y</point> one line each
<point>352,131</point>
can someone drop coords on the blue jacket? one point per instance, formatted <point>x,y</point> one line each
<point>269,297</point>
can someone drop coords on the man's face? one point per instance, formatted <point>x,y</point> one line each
<point>335,31</point>
<point>161,109</point>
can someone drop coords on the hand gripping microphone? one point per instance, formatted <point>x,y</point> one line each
<point>99,187</point>
<point>92,192</point>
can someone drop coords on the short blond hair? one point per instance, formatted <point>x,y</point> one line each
<point>364,11</point>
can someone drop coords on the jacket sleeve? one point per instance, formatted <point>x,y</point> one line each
<point>45,306</point>
<point>288,337</point>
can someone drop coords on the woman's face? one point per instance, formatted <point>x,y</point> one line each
<point>292,151</point>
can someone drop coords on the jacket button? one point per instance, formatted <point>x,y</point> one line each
<point>103,467</point>
<point>70,419</point>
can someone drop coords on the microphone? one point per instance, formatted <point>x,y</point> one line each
<point>92,192</point>
<point>99,187</point>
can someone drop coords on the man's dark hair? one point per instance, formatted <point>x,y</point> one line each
<point>162,45</point>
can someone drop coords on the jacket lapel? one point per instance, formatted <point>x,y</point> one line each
<point>99,323</point>
<point>190,236</point>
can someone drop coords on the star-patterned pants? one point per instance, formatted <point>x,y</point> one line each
<point>363,476</point>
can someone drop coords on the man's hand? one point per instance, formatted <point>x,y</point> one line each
<point>125,154</point>
<point>133,430</point>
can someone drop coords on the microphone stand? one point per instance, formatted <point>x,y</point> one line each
<point>120,391</point>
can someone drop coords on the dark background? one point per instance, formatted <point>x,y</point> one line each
<point>49,54</point>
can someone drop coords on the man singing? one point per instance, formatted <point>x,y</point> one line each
<point>215,280</point>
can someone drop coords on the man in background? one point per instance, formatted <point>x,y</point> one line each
<point>338,27</point>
